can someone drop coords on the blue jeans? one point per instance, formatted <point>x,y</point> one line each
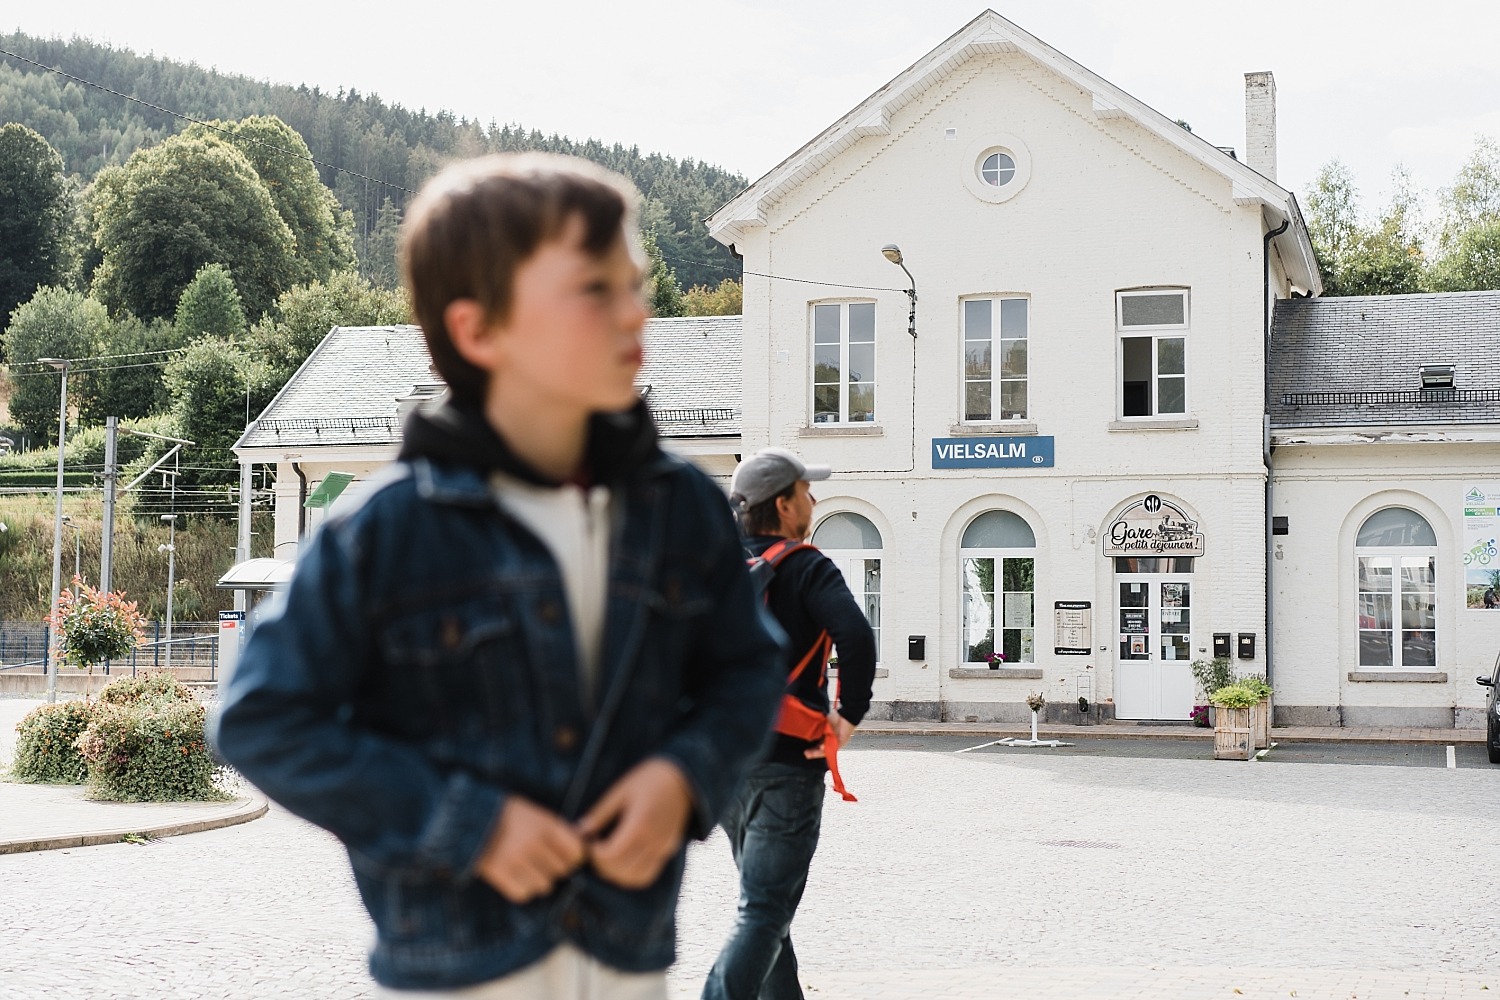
<point>773,829</point>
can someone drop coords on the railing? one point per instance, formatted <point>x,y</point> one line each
<point>24,645</point>
<point>1391,397</point>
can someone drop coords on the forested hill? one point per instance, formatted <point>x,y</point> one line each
<point>353,132</point>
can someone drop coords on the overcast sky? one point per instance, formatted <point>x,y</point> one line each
<point>743,83</point>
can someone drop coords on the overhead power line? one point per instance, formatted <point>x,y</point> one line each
<point>198,121</point>
<point>781,277</point>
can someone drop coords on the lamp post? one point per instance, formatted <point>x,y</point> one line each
<point>171,550</point>
<point>77,533</point>
<point>892,253</point>
<point>61,364</point>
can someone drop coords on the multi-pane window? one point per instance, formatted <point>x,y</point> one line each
<point>1396,557</point>
<point>1153,351</point>
<point>998,557</point>
<point>853,544</point>
<point>843,362</point>
<point>995,337</point>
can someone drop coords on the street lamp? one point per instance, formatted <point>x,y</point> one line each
<point>171,550</point>
<point>892,253</point>
<point>61,364</point>
<point>77,533</point>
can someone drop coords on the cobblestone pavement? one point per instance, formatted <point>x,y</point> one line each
<point>956,875</point>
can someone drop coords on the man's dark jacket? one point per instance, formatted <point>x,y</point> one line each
<point>422,667</point>
<point>806,596</point>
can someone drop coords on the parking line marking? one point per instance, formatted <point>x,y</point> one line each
<point>1452,760</point>
<point>979,747</point>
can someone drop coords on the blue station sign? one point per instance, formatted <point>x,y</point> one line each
<point>992,453</point>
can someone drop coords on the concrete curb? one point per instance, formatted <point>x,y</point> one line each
<point>242,810</point>
<point>1285,735</point>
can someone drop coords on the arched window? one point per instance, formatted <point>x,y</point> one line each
<point>1395,554</point>
<point>853,544</point>
<point>998,562</point>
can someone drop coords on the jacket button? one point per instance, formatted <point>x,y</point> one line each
<point>565,738</point>
<point>549,612</point>
<point>571,921</point>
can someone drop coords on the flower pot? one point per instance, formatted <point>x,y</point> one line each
<point>1260,721</point>
<point>1234,736</point>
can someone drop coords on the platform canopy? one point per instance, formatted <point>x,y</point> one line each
<point>258,574</point>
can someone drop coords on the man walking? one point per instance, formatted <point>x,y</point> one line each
<point>773,823</point>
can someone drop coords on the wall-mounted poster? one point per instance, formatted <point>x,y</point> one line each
<point>1481,547</point>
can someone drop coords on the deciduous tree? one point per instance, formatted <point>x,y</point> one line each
<point>175,207</point>
<point>210,304</point>
<point>56,323</point>
<point>36,216</point>
<point>323,232</point>
<point>303,316</point>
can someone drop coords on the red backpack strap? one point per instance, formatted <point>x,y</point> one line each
<point>783,548</point>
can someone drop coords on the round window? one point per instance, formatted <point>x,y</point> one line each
<point>997,169</point>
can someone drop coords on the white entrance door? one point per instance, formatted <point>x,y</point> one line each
<point>1155,620</point>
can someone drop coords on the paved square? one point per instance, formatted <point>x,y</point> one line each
<point>991,874</point>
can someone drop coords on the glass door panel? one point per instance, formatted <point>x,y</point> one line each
<point>1176,621</point>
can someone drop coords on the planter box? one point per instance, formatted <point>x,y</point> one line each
<point>1234,737</point>
<point>1260,722</point>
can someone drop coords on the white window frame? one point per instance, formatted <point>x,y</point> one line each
<point>1157,332</point>
<point>996,380</point>
<point>858,581</point>
<point>1397,631</point>
<point>844,383</point>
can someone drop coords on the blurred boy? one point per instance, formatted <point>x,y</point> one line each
<point>517,676</point>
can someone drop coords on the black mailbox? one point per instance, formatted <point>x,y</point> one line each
<point>1221,645</point>
<point>1247,645</point>
<point>916,647</point>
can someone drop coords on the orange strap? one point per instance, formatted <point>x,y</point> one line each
<point>801,722</point>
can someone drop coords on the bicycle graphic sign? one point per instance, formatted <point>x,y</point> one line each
<point>1481,547</point>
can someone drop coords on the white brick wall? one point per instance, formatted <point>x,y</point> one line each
<point>1106,207</point>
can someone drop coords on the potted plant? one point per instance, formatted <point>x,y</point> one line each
<point>1260,717</point>
<point>994,660</point>
<point>1210,675</point>
<point>1234,738</point>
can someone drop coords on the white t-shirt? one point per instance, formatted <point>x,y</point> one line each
<point>573,522</point>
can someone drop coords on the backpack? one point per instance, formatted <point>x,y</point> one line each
<point>795,718</point>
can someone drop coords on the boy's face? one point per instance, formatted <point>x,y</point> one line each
<point>573,336</point>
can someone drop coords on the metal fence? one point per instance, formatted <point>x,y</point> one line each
<point>194,650</point>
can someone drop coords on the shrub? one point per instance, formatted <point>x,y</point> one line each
<point>46,745</point>
<point>1212,674</point>
<point>158,689</point>
<point>145,751</point>
<point>95,627</point>
<point>1236,695</point>
<point>1256,685</point>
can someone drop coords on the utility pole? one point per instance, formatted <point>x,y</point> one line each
<point>53,644</point>
<point>171,550</point>
<point>242,549</point>
<point>107,546</point>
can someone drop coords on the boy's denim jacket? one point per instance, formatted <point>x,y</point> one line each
<point>421,667</point>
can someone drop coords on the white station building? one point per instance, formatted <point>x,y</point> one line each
<point>1069,364</point>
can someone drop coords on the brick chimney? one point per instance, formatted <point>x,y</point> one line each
<point>1260,123</point>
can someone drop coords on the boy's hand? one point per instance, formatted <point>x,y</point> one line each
<point>639,824</point>
<point>842,728</point>
<point>530,850</point>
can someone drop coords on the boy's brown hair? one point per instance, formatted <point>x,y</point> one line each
<point>475,223</point>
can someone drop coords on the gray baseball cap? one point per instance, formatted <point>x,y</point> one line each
<point>769,471</point>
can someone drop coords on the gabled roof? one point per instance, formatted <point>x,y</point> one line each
<point>347,392</point>
<point>989,33</point>
<point>693,378</point>
<point>1355,362</point>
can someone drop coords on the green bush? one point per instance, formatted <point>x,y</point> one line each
<point>159,689</point>
<point>1236,695</point>
<point>1212,674</point>
<point>1256,685</point>
<point>149,751</point>
<point>46,744</point>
